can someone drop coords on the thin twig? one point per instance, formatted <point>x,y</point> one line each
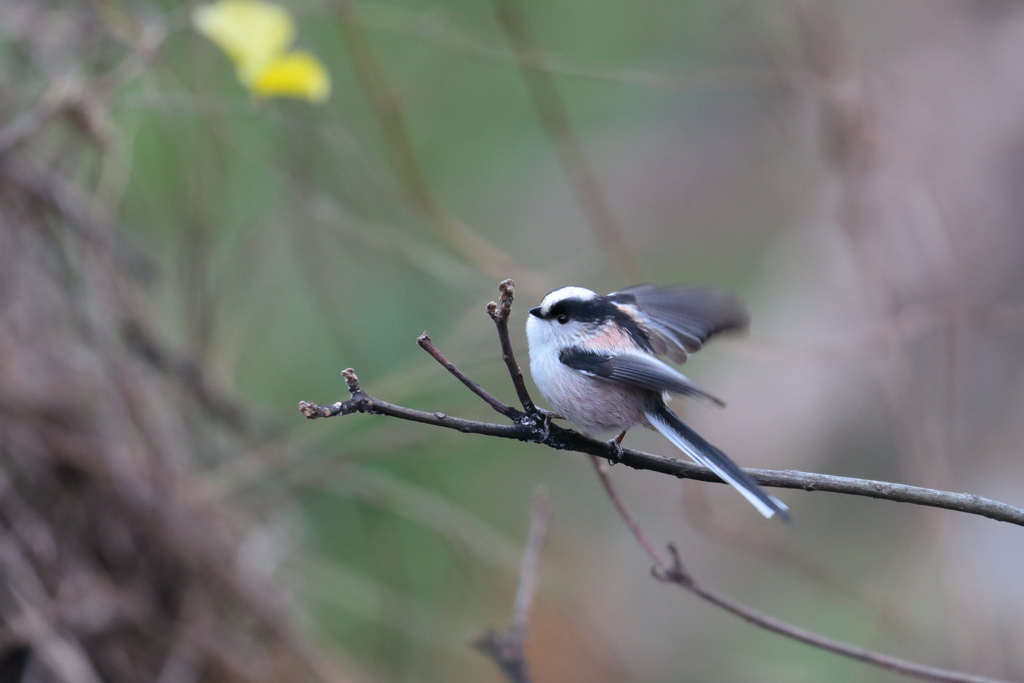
<point>427,344</point>
<point>500,313</point>
<point>674,572</point>
<point>601,466</point>
<point>560,438</point>
<point>508,648</point>
<point>361,402</point>
<point>555,119</point>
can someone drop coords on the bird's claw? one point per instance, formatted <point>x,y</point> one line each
<point>542,422</point>
<point>617,450</point>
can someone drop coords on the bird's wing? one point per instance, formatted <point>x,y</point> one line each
<point>638,370</point>
<point>680,319</point>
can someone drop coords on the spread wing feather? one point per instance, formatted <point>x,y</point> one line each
<point>680,319</point>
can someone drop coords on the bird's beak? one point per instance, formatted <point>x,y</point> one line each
<point>536,311</point>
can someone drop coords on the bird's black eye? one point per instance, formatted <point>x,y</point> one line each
<point>562,318</point>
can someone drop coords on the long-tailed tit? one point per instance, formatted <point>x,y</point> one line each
<point>593,359</point>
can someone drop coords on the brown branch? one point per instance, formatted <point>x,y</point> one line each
<point>537,430</point>
<point>508,648</point>
<point>500,313</point>
<point>601,467</point>
<point>427,344</point>
<point>361,402</point>
<point>674,572</point>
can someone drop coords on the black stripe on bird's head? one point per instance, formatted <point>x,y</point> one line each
<point>578,305</point>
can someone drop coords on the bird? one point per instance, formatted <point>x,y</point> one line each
<point>595,360</point>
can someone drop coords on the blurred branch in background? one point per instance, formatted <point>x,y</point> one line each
<point>113,565</point>
<point>897,222</point>
<point>508,647</point>
<point>460,238</point>
<point>554,117</point>
<point>83,103</point>
<point>436,28</point>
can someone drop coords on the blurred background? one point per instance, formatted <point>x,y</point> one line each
<point>182,261</point>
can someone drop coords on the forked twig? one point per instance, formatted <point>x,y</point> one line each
<point>427,344</point>
<point>673,571</point>
<point>601,467</point>
<point>500,312</point>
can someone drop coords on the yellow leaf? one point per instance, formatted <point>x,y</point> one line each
<point>252,33</point>
<point>295,74</point>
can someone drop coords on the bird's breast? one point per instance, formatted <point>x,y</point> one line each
<point>595,406</point>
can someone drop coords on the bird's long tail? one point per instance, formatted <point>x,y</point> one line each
<point>697,448</point>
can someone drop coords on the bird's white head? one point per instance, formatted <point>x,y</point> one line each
<point>563,317</point>
<point>561,295</point>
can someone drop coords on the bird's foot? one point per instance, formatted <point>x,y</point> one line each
<point>616,444</point>
<point>547,414</point>
<point>542,421</point>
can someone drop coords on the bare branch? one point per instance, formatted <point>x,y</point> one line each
<point>508,648</point>
<point>535,426</point>
<point>427,344</point>
<point>540,431</point>
<point>601,466</point>
<point>361,402</point>
<point>674,572</point>
<point>500,313</point>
